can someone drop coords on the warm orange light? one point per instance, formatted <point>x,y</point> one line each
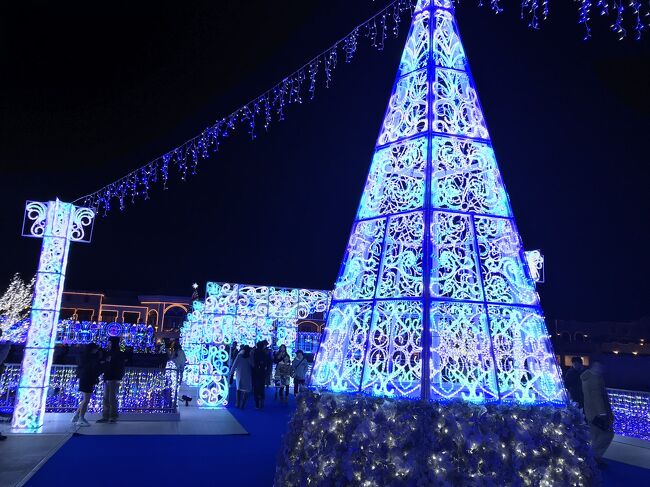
<point>83,294</point>
<point>107,306</point>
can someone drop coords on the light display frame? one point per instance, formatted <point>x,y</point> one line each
<point>435,299</point>
<point>139,336</point>
<point>58,224</point>
<point>537,265</point>
<point>245,314</point>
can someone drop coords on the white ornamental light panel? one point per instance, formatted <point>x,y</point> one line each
<point>244,314</point>
<point>435,299</point>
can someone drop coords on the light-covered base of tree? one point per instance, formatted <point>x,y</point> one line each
<point>341,439</point>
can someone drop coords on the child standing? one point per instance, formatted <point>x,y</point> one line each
<point>283,378</point>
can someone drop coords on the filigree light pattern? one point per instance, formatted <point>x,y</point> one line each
<point>466,178</point>
<point>246,315</point>
<point>392,365</point>
<point>396,179</point>
<point>417,47</point>
<point>434,298</point>
<point>57,223</point>
<point>455,273</point>
<point>401,273</point>
<point>358,279</point>
<point>407,109</point>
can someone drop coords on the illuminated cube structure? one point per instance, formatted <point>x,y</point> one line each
<point>245,314</point>
<point>435,299</point>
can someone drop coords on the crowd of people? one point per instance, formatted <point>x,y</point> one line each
<point>586,388</point>
<point>252,369</point>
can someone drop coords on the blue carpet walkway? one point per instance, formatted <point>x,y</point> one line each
<point>228,461</point>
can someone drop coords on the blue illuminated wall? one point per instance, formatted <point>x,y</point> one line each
<point>434,298</point>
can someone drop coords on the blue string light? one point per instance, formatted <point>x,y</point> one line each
<point>272,104</point>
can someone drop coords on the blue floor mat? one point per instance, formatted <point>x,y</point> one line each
<point>235,460</point>
<point>228,461</point>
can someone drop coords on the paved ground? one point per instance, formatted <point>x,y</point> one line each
<point>21,455</point>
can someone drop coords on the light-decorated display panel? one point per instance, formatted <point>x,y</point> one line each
<point>244,314</point>
<point>435,298</point>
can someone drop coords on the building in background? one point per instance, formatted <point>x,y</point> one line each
<point>622,346</point>
<point>164,313</point>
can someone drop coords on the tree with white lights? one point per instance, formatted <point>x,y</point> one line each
<point>16,300</point>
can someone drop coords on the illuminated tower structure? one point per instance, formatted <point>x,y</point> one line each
<point>434,299</point>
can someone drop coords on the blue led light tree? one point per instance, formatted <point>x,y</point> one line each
<point>434,299</point>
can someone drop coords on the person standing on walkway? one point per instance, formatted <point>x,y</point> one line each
<point>280,354</point>
<point>242,371</point>
<point>573,383</point>
<point>5,347</point>
<point>299,368</point>
<point>88,373</point>
<point>261,369</point>
<point>598,410</point>
<point>278,357</point>
<point>177,355</point>
<point>113,366</point>
<point>283,378</point>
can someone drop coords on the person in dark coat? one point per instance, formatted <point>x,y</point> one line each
<point>88,373</point>
<point>573,383</point>
<point>280,354</point>
<point>261,368</point>
<point>113,366</point>
<point>269,352</point>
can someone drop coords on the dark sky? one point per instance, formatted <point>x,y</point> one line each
<point>90,92</point>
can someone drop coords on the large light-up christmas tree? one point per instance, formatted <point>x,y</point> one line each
<point>435,302</point>
<point>434,298</point>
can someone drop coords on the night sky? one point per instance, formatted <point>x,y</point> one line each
<point>92,91</point>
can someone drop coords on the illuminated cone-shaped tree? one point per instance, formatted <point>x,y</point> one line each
<point>434,298</point>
